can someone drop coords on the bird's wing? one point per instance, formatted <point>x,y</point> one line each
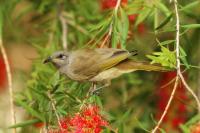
<point>111,57</point>
<point>88,62</point>
<point>130,65</point>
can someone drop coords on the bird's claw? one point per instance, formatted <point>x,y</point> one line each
<point>94,92</point>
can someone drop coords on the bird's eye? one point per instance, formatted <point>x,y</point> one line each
<point>61,56</point>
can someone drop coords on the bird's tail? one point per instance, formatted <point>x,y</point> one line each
<point>130,65</point>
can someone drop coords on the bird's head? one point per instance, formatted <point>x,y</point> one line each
<point>58,59</point>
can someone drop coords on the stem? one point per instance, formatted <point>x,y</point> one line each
<point>10,85</point>
<point>167,106</point>
<point>199,85</point>
<point>117,5</point>
<point>111,25</point>
<point>190,90</point>
<point>53,104</point>
<point>64,31</point>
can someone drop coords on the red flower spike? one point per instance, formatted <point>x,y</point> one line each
<point>108,4</point>
<point>132,17</point>
<point>39,124</point>
<point>88,120</point>
<point>2,73</point>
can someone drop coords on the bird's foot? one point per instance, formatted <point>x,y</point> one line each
<point>94,92</point>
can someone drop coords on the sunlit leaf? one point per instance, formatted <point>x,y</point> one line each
<point>163,8</point>
<point>164,22</point>
<point>125,27</point>
<point>143,15</point>
<point>190,6</point>
<point>191,26</point>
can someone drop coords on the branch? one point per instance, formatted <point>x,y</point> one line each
<point>64,31</point>
<point>178,69</point>
<point>190,90</point>
<point>167,106</point>
<point>108,35</point>
<point>53,104</point>
<point>111,25</point>
<point>10,85</point>
<point>117,6</point>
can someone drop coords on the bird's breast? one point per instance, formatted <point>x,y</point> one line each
<point>70,73</point>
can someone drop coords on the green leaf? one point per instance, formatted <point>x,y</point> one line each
<point>191,26</point>
<point>184,129</point>
<point>25,123</point>
<point>30,110</point>
<point>98,101</point>
<point>141,125</point>
<point>167,19</point>
<point>1,21</point>
<point>166,42</point>
<point>193,120</point>
<point>54,79</point>
<point>190,6</point>
<point>121,128</point>
<point>163,8</point>
<point>143,15</point>
<point>162,130</point>
<point>126,115</point>
<point>165,58</point>
<point>134,7</point>
<point>125,27</point>
<point>101,24</point>
<point>114,38</point>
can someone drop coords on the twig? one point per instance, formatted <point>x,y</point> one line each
<point>64,31</point>
<point>111,25</point>
<point>53,104</point>
<point>117,6</point>
<point>107,36</point>
<point>190,90</point>
<point>179,74</point>
<point>10,85</point>
<point>167,106</point>
<point>199,84</point>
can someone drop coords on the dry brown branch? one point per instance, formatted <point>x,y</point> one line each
<point>111,25</point>
<point>10,85</point>
<point>64,31</point>
<point>107,36</point>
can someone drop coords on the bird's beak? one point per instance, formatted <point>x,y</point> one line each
<point>47,60</point>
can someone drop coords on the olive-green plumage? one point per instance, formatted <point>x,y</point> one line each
<point>97,65</point>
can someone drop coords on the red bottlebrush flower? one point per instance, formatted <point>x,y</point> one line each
<point>108,4</point>
<point>141,28</point>
<point>132,17</point>
<point>39,124</point>
<point>88,120</point>
<point>177,121</point>
<point>2,74</point>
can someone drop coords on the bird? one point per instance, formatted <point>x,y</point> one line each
<point>99,65</point>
